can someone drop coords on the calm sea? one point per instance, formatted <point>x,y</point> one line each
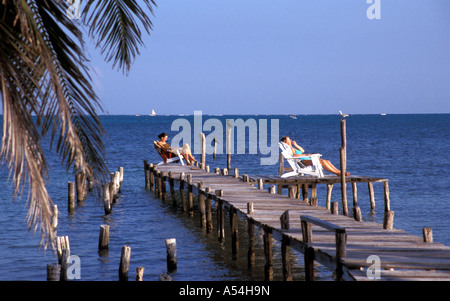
<point>409,150</point>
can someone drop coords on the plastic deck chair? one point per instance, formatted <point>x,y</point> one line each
<point>298,167</point>
<point>168,157</point>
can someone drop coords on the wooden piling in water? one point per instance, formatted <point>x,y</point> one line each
<point>182,195</point>
<point>103,240</point>
<point>234,231</point>
<point>53,271</point>
<point>80,183</point>
<point>268,254</point>
<point>171,250</point>
<point>147,174</point>
<point>150,176</point>
<point>251,243</point>
<point>54,216</point>
<point>190,195</point>
<point>208,201</point>
<point>71,197</point>
<point>106,199</point>
<point>172,189</point>
<point>285,258</point>
<point>201,204</point>
<point>140,273</point>
<point>124,265</point>
<point>343,161</point>
<point>220,216</point>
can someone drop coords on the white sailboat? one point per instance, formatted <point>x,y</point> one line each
<point>153,113</point>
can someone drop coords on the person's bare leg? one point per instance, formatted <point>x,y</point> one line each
<point>328,166</point>
<point>331,168</point>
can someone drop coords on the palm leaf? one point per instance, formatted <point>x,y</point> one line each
<point>115,29</point>
<point>44,72</point>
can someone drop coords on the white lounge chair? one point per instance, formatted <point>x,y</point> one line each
<point>298,167</point>
<point>165,155</point>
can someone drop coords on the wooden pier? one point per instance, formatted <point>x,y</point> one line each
<point>356,250</point>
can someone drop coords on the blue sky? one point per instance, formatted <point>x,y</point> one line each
<point>286,57</point>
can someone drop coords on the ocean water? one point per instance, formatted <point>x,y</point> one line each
<point>409,150</point>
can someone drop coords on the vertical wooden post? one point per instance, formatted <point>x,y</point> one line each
<point>215,148</point>
<point>305,195</point>
<point>106,198</point>
<point>62,243</point>
<point>203,156</point>
<point>343,160</point>
<point>140,273</point>
<point>272,189</point>
<point>54,216</point>
<point>234,231</point>
<point>121,178</point>
<point>292,190</point>
<point>53,271</point>
<point>190,196</point>
<point>146,174</point>
<point>209,222</point>
<point>201,204</point>
<point>236,173</point>
<point>341,242</point>
<point>285,258</point>
<point>371,196</point>
<point>268,254</point>
<point>250,208</point>
<point>64,264</point>
<point>387,202</point>
<point>172,189</point>
<point>335,208</point>
<point>71,198</point>
<point>251,243</point>
<point>159,180</point>
<point>328,201</point>
<point>171,249</point>
<point>150,176</point>
<point>157,186</point>
<point>356,209</point>
<point>427,234</point>
<point>309,251</point>
<point>103,239</point>
<point>284,220</point>
<point>343,182</point>
<point>163,186</point>
<point>260,184</point>
<point>229,128</point>
<point>80,184</point>
<point>220,216</point>
<point>124,265</point>
<point>388,223</point>
<point>182,195</point>
<point>313,200</point>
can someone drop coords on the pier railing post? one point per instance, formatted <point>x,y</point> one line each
<point>341,242</point>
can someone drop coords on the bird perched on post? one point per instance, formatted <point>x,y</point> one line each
<point>343,115</point>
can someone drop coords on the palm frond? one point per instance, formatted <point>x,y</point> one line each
<point>116,31</point>
<point>46,89</point>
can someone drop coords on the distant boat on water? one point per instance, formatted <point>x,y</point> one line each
<point>153,113</point>
<point>293,116</point>
<point>383,114</point>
